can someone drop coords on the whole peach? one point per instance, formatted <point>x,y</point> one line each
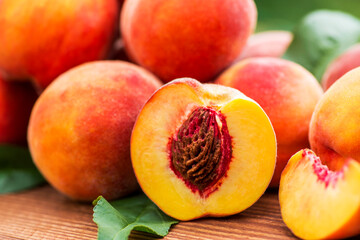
<point>334,128</point>
<point>41,39</point>
<point>347,61</point>
<point>16,102</point>
<point>186,38</point>
<point>287,92</point>
<point>80,127</point>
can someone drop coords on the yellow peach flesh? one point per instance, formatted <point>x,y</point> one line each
<point>314,210</point>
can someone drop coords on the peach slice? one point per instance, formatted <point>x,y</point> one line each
<point>202,150</point>
<point>318,203</point>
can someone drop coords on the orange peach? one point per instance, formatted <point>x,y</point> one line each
<point>41,39</point>
<point>16,102</point>
<point>317,203</point>
<point>287,92</point>
<point>266,44</point>
<point>341,65</point>
<point>186,38</point>
<point>202,150</point>
<point>80,127</point>
<point>334,127</point>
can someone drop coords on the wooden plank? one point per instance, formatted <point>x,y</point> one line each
<point>43,213</point>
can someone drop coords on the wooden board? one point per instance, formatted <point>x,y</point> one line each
<point>43,213</point>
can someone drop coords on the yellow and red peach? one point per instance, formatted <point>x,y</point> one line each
<point>186,38</point>
<point>16,102</point>
<point>266,44</point>
<point>341,65</point>
<point>287,92</point>
<point>80,128</point>
<point>202,150</point>
<point>317,203</point>
<point>334,127</point>
<point>41,39</point>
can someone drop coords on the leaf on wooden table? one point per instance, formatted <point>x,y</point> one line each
<point>117,219</point>
<point>320,37</point>
<point>17,170</point>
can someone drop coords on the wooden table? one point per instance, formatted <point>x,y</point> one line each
<point>43,213</point>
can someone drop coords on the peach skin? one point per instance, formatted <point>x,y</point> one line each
<point>186,38</point>
<point>287,92</point>
<point>347,61</point>
<point>266,44</point>
<point>80,127</point>
<point>40,39</point>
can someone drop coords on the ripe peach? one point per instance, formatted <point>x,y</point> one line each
<point>341,65</point>
<point>202,150</point>
<point>41,39</point>
<point>287,92</point>
<point>267,44</point>
<point>334,127</point>
<point>317,203</point>
<point>16,102</point>
<point>80,128</point>
<point>186,38</point>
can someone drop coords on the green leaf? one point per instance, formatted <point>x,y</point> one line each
<point>17,170</point>
<point>118,219</point>
<point>320,37</point>
<point>284,14</point>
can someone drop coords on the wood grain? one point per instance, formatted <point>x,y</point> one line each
<point>43,213</point>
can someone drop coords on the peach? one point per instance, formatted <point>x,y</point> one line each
<point>185,38</point>
<point>267,44</point>
<point>80,128</point>
<point>202,150</point>
<point>347,61</point>
<point>317,203</point>
<point>287,92</point>
<point>16,102</point>
<point>334,127</point>
<point>41,39</point>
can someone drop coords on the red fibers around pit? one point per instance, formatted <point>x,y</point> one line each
<point>323,173</point>
<point>193,128</point>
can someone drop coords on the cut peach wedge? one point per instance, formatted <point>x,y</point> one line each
<point>317,203</point>
<point>202,150</point>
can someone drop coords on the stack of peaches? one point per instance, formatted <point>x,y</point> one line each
<point>231,119</point>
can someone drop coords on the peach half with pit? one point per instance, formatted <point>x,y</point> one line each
<point>80,128</point>
<point>202,150</point>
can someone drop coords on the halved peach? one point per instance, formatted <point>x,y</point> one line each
<point>202,150</point>
<point>318,203</point>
